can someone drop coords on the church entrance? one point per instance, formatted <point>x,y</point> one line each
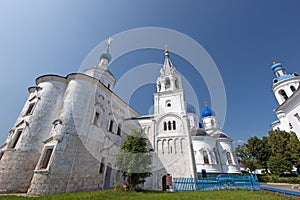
<point>167,183</point>
<point>164,183</point>
<point>107,177</point>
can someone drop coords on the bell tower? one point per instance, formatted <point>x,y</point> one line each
<point>172,138</point>
<point>169,96</point>
<point>284,84</point>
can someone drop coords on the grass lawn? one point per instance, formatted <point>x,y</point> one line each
<point>151,195</point>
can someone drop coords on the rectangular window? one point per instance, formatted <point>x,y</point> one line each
<point>16,138</point>
<point>46,157</point>
<point>297,117</point>
<point>119,130</point>
<point>1,155</point>
<point>30,109</point>
<point>96,118</point>
<point>111,125</point>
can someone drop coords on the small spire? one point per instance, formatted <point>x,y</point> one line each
<point>274,62</point>
<point>108,42</point>
<point>205,103</point>
<point>166,51</point>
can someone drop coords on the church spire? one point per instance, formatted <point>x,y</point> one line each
<point>168,67</point>
<point>169,80</point>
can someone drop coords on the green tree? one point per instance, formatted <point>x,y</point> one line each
<point>278,165</point>
<point>255,153</point>
<point>281,158</point>
<point>245,158</point>
<point>294,146</point>
<point>134,158</point>
<point>264,153</point>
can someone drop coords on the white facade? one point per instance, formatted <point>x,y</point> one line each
<point>214,152</point>
<point>176,137</point>
<point>70,130</point>
<point>286,91</point>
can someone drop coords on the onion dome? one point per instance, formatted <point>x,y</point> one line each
<point>190,108</point>
<point>207,112</point>
<point>105,55</point>
<point>276,66</point>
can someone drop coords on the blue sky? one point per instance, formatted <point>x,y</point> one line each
<point>242,37</point>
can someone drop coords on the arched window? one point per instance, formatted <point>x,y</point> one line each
<point>283,94</point>
<point>168,103</point>
<point>165,126</point>
<point>174,125</point>
<point>293,88</point>
<point>170,142</point>
<point>212,122</point>
<point>176,84</point>
<point>167,83</point>
<point>102,166</point>
<point>169,125</point>
<point>228,156</point>
<point>159,86</point>
<point>216,156</point>
<point>205,157</point>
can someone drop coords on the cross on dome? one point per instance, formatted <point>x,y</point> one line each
<point>108,42</point>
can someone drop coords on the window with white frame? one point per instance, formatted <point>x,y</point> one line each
<point>15,138</point>
<point>30,108</point>
<point>46,156</point>
<point>205,157</point>
<point>229,159</point>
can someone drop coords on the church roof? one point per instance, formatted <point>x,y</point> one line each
<point>285,76</point>
<point>198,132</point>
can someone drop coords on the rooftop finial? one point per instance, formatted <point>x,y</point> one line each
<point>108,42</point>
<point>205,103</point>
<point>166,51</point>
<point>274,62</point>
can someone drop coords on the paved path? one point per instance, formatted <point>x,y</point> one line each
<point>283,186</point>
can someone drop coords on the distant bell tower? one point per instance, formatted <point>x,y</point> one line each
<point>101,70</point>
<point>284,85</point>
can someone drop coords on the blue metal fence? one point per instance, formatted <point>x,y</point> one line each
<point>222,182</point>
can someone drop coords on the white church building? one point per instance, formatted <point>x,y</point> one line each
<point>70,130</point>
<point>287,93</point>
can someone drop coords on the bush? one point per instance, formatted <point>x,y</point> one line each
<point>277,179</point>
<point>118,186</point>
